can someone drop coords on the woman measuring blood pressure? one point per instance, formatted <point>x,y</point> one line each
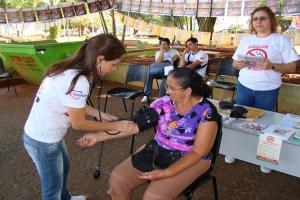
<point>60,103</point>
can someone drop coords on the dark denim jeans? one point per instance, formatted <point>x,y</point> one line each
<point>52,163</point>
<point>156,71</point>
<point>265,100</point>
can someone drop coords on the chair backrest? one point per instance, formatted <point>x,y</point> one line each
<point>225,68</point>
<point>207,69</point>
<point>2,69</point>
<point>216,146</point>
<point>176,62</point>
<point>137,73</point>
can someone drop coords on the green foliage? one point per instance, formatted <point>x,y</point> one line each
<point>206,24</point>
<point>54,32</point>
<point>284,23</point>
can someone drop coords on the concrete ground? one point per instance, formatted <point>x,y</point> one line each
<point>19,180</point>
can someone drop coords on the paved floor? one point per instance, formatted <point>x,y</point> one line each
<point>18,179</point>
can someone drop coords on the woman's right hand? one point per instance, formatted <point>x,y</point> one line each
<point>126,126</point>
<point>239,64</point>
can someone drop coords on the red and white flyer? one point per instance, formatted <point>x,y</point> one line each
<point>269,148</point>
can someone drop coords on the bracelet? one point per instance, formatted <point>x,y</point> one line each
<point>116,133</point>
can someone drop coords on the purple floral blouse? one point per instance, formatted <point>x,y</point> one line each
<point>176,132</point>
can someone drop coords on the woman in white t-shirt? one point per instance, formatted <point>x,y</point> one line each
<point>60,103</point>
<point>260,80</point>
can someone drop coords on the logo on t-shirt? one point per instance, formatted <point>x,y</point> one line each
<point>77,94</point>
<point>256,52</point>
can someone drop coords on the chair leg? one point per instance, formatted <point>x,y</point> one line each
<point>157,84</point>
<point>132,144</point>
<point>215,187</point>
<point>15,88</point>
<point>8,80</point>
<point>133,137</point>
<point>124,103</point>
<point>233,92</point>
<point>106,97</point>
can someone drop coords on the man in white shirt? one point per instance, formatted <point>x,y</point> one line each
<point>193,57</point>
<point>164,57</point>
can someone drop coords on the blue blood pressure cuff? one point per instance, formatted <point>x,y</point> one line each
<point>146,118</point>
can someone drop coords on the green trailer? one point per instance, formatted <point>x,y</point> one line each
<point>31,59</point>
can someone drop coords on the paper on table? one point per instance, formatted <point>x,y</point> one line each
<point>250,58</point>
<point>278,131</point>
<point>291,121</point>
<point>253,114</point>
<point>251,126</point>
<point>167,69</point>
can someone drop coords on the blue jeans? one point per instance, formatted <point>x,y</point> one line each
<point>265,100</point>
<point>156,71</point>
<point>52,163</point>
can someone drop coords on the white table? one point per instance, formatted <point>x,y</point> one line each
<point>242,145</point>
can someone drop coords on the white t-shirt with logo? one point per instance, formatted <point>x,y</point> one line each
<point>201,56</point>
<point>49,120</point>
<point>167,55</point>
<point>277,48</point>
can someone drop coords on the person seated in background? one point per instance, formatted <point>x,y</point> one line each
<point>164,57</point>
<point>179,153</point>
<point>192,57</point>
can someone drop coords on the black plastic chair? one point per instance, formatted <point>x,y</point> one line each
<point>135,73</point>
<point>207,176</point>
<point>6,75</point>
<point>175,65</point>
<point>225,68</point>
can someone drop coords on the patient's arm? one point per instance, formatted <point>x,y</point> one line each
<point>89,139</point>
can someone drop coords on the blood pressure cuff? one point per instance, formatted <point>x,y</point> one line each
<point>146,118</point>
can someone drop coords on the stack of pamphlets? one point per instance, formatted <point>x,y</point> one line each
<point>252,126</point>
<point>280,131</point>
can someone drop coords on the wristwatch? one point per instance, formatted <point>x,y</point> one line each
<point>273,67</point>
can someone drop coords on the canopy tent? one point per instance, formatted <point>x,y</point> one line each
<point>202,8</point>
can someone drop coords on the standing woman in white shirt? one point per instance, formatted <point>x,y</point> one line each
<point>60,103</point>
<point>259,82</point>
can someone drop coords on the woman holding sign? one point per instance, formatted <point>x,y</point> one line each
<point>262,57</point>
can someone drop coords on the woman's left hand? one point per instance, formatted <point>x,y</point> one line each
<point>88,140</point>
<point>155,174</point>
<point>266,64</point>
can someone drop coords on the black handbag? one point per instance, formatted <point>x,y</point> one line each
<point>153,156</point>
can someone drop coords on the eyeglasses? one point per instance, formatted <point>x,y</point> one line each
<point>170,90</point>
<point>255,19</point>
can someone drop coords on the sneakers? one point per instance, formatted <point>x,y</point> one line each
<point>80,197</point>
<point>265,169</point>
<point>144,99</point>
<point>229,159</point>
